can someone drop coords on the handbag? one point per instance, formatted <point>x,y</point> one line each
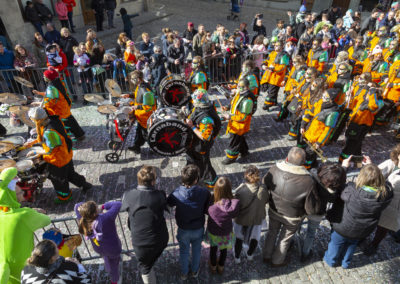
<point>97,70</point>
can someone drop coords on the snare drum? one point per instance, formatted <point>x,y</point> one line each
<point>168,135</point>
<point>174,91</point>
<point>36,159</point>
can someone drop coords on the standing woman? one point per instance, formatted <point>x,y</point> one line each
<point>46,266</point>
<point>70,6</point>
<point>100,229</point>
<point>39,50</point>
<point>91,40</point>
<point>24,61</point>
<point>363,204</point>
<point>146,206</point>
<point>96,61</point>
<point>121,45</point>
<point>219,226</point>
<point>67,43</point>
<point>62,13</point>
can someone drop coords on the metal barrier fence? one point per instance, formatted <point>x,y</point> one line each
<point>69,225</point>
<point>221,68</point>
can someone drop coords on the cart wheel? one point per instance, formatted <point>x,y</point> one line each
<point>112,158</point>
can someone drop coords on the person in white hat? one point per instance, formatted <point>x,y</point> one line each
<point>376,65</point>
<point>57,154</point>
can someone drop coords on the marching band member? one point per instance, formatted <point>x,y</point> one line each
<point>57,102</point>
<point>340,79</point>
<point>380,38</point>
<point>206,125</point>
<point>357,53</point>
<point>295,107</point>
<point>198,78</point>
<point>390,53</point>
<point>58,154</point>
<point>365,106</point>
<point>144,106</point>
<point>376,65</point>
<point>317,57</point>
<point>294,78</point>
<point>242,107</point>
<point>275,70</point>
<point>342,57</point>
<point>318,126</point>
<point>248,73</point>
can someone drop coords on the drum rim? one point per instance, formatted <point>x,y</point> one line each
<point>31,164</point>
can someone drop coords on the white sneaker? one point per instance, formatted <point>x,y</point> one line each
<point>249,257</point>
<point>237,260</point>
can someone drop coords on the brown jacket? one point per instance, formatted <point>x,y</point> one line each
<point>253,199</point>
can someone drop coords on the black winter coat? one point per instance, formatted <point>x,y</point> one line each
<point>146,206</point>
<point>175,53</point>
<point>43,11</point>
<point>110,4</point>
<point>67,44</point>
<point>361,212</point>
<point>31,14</point>
<point>98,6</point>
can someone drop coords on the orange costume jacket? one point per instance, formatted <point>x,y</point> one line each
<point>377,69</point>
<point>365,106</point>
<point>57,103</point>
<point>145,104</point>
<point>317,59</point>
<point>277,64</point>
<point>241,110</point>
<point>392,91</point>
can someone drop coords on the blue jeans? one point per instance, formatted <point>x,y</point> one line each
<point>340,250</point>
<point>312,226</point>
<point>185,239</point>
<point>38,27</point>
<point>110,17</point>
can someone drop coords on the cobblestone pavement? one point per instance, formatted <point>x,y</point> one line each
<point>268,143</point>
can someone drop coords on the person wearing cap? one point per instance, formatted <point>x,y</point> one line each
<point>365,106</point>
<point>58,154</point>
<point>317,57</point>
<point>198,77</point>
<point>144,106</point>
<point>241,111</point>
<point>17,228</point>
<point>206,125</point>
<point>188,36</point>
<point>317,126</point>
<point>57,102</point>
<point>275,67</point>
<point>376,65</point>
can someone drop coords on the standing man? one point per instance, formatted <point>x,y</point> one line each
<point>146,47</point>
<point>176,56</point>
<point>206,125</point>
<point>110,6</point>
<point>98,10</point>
<point>70,6</point>
<point>144,106</point>
<point>275,70</point>
<point>290,184</point>
<point>32,16</point>
<point>197,41</point>
<point>43,11</point>
<point>187,36</point>
<point>58,154</point>
<point>317,57</point>
<point>242,107</point>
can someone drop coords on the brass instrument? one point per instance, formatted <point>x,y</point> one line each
<point>319,152</point>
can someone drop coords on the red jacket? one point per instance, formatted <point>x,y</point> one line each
<point>70,4</point>
<point>63,66</point>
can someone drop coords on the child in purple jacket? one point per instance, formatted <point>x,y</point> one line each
<point>100,229</point>
<point>219,226</point>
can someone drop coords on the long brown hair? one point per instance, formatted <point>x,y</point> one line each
<point>222,189</point>
<point>42,254</point>
<point>252,175</point>
<point>88,211</point>
<point>370,175</point>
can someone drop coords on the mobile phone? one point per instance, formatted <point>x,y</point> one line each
<point>357,159</point>
<point>260,16</point>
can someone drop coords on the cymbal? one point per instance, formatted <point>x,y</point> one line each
<point>107,109</point>
<point>5,147</point>
<point>4,164</point>
<point>18,109</point>
<point>93,98</point>
<point>24,117</point>
<point>113,88</point>
<point>8,95</point>
<point>23,82</point>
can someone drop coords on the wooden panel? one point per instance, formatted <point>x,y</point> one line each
<point>87,12</point>
<point>343,4</point>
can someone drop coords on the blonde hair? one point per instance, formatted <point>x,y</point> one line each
<point>370,175</point>
<point>144,34</point>
<point>64,30</point>
<point>76,49</point>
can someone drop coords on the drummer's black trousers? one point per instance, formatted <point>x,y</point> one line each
<point>237,145</point>
<point>71,125</point>
<point>202,160</point>
<point>61,177</point>
<point>140,136</point>
<point>355,135</point>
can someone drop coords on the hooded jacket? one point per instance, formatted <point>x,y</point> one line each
<point>221,215</point>
<point>191,205</point>
<point>361,212</point>
<point>17,226</point>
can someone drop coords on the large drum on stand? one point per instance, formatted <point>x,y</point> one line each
<point>168,135</point>
<point>174,91</point>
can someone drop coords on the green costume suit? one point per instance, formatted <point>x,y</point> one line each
<point>17,226</point>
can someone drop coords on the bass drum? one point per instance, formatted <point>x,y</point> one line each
<point>168,135</point>
<point>174,91</point>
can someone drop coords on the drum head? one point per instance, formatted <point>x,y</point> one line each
<point>24,165</point>
<point>22,154</point>
<point>17,140</point>
<point>174,91</point>
<point>169,137</point>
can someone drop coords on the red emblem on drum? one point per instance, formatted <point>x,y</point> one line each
<point>175,93</point>
<point>167,138</point>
